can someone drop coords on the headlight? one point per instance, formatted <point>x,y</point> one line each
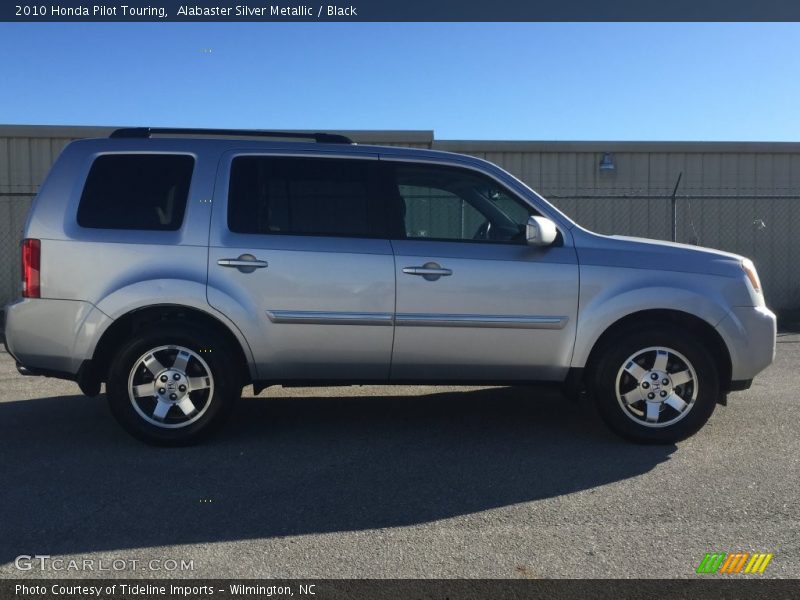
<point>750,270</point>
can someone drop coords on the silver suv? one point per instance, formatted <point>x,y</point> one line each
<point>177,266</point>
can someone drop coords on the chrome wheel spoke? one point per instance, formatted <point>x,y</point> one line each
<point>181,360</point>
<point>660,363</point>
<point>145,390</point>
<point>652,412</point>
<point>152,364</point>
<point>187,406</point>
<point>198,383</point>
<point>161,410</point>
<point>631,397</point>
<point>676,402</point>
<point>635,370</point>
<point>681,378</point>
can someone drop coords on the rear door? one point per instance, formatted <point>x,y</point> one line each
<point>299,259</point>
<point>474,301</point>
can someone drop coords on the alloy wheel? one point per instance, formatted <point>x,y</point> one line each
<point>170,386</point>
<point>656,387</point>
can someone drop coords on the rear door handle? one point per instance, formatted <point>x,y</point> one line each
<point>246,263</point>
<point>431,271</point>
<point>236,262</point>
<point>427,271</point>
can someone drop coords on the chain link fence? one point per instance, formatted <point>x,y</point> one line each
<point>761,227</point>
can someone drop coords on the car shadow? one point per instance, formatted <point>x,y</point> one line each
<point>74,482</point>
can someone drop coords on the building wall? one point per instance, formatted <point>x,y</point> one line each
<point>740,197</point>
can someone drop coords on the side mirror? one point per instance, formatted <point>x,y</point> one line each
<point>540,231</point>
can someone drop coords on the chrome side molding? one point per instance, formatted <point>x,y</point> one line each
<point>313,317</point>
<point>416,319</point>
<point>485,321</point>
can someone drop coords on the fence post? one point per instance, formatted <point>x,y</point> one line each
<point>675,209</point>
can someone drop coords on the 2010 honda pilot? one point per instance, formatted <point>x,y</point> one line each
<point>177,266</point>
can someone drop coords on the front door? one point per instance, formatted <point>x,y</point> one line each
<point>474,301</point>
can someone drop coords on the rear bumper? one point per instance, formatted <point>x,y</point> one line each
<point>52,337</point>
<point>30,372</point>
<point>749,332</point>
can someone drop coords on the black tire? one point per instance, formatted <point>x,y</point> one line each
<point>213,404</point>
<point>672,425</point>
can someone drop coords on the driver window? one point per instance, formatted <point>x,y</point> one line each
<point>436,213</point>
<point>448,203</point>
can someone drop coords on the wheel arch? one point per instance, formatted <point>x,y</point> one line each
<point>693,324</point>
<point>137,319</point>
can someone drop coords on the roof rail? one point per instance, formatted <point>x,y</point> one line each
<point>146,132</point>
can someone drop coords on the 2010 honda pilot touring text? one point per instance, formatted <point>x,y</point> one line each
<point>176,269</point>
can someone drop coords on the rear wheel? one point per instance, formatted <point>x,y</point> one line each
<point>656,385</point>
<point>172,385</point>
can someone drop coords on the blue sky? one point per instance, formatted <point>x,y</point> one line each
<point>544,81</point>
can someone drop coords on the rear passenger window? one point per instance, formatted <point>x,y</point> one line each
<point>303,196</point>
<point>136,191</point>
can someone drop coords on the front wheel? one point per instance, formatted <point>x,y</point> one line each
<point>656,386</point>
<point>172,385</point>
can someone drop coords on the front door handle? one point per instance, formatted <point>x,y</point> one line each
<point>430,271</point>
<point>246,263</point>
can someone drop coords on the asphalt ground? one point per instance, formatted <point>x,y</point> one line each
<point>374,482</point>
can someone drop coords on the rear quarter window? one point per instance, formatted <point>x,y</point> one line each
<point>136,191</point>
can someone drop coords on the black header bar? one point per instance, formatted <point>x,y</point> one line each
<point>399,10</point>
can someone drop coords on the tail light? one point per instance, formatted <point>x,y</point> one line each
<point>31,261</point>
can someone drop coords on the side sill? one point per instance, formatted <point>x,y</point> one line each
<point>260,385</point>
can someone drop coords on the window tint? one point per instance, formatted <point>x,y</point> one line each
<point>305,196</point>
<point>448,203</point>
<point>436,213</point>
<point>136,191</point>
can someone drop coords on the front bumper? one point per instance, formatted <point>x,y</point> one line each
<point>750,333</point>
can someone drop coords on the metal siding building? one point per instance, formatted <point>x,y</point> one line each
<point>741,197</point>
